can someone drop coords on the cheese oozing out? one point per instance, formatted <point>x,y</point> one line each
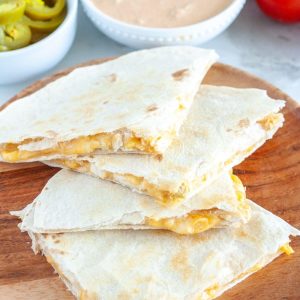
<point>192,223</point>
<point>79,146</point>
<point>198,221</point>
<point>166,197</point>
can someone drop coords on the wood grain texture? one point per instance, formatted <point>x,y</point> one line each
<point>271,175</point>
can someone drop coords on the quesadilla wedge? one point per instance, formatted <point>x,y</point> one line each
<point>135,103</point>
<point>75,202</point>
<point>154,264</point>
<point>224,126</point>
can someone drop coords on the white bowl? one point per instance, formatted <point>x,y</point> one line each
<point>22,64</point>
<point>145,37</point>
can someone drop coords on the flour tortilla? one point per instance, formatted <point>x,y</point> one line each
<point>221,130</point>
<point>152,264</point>
<point>144,95</point>
<point>75,202</point>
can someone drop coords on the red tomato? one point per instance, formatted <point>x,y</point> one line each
<point>281,10</point>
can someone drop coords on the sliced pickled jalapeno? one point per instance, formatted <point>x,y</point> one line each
<point>23,22</point>
<point>14,36</point>
<point>11,11</point>
<point>44,26</point>
<point>44,9</point>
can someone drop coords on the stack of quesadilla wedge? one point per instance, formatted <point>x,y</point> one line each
<point>153,210</point>
<point>149,264</point>
<point>65,206</point>
<point>224,126</point>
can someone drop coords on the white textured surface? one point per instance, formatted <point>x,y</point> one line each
<point>253,42</point>
<point>141,37</point>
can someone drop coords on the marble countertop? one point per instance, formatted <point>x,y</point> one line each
<point>253,43</point>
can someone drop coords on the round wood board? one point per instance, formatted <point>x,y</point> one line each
<point>271,175</point>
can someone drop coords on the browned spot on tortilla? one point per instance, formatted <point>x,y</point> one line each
<point>152,107</point>
<point>124,296</point>
<point>88,111</point>
<point>55,235</point>
<point>180,263</point>
<point>112,77</point>
<point>121,116</point>
<point>179,75</point>
<point>244,123</point>
<point>62,252</point>
<point>240,233</point>
<point>105,102</point>
<point>158,157</point>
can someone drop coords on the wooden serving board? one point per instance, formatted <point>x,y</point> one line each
<point>271,174</point>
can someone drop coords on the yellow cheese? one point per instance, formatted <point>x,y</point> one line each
<point>163,197</point>
<point>239,188</point>
<point>287,249</point>
<point>76,165</point>
<point>269,121</point>
<point>79,146</point>
<point>192,223</point>
<point>212,291</point>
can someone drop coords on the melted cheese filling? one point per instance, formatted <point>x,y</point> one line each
<point>79,146</point>
<point>192,223</point>
<point>200,220</point>
<point>168,198</point>
<point>287,249</point>
<point>10,152</point>
<point>164,197</point>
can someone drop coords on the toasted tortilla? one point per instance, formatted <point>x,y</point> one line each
<point>75,202</point>
<point>135,103</point>
<point>153,264</point>
<point>224,126</point>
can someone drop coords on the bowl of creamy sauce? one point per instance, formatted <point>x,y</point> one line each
<point>150,23</point>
